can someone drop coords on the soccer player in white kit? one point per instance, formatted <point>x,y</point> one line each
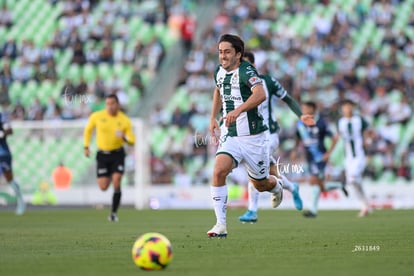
<point>238,93</point>
<point>274,91</point>
<point>351,128</point>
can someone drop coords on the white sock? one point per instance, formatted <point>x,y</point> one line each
<point>219,197</point>
<point>16,189</point>
<point>316,192</point>
<point>253,197</point>
<point>277,187</point>
<point>329,186</point>
<point>361,195</point>
<point>287,184</point>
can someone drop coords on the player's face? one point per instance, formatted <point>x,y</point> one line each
<point>111,106</point>
<point>228,58</point>
<point>347,110</point>
<point>307,110</point>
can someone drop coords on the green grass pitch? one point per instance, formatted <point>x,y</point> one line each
<point>82,242</point>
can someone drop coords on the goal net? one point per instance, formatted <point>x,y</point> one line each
<point>40,148</point>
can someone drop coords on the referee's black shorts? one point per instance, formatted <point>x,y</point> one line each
<point>109,162</point>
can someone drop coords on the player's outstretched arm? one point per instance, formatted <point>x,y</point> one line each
<point>87,134</point>
<point>295,107</point>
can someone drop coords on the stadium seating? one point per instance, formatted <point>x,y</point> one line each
<point>366,33</point>
<point>38,20</point>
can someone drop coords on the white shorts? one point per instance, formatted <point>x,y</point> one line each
<point>239,175</point>
<point>251,150</point>
<point>273,145</point>
<point>354,168</point>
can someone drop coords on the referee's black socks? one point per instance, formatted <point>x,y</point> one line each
<point>116,199</point>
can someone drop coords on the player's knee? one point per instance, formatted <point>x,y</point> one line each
<point>220,173</point>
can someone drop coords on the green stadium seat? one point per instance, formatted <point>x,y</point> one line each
<point>89,72</point>
<point>15,91</point>
<point>105,71</point>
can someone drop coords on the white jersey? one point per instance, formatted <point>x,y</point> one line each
<point>274,91</point>
<point>235,88</point>
<point>351,130</point>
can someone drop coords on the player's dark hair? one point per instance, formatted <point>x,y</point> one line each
<point>249,56</point>
<point>112,96</point>
<point>347,101</point>
<point>235,41</point>
<point>310,104</point>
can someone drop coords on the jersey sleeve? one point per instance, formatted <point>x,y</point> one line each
<point>249,75</point>
<point>87,134</point>
<point>215,74</point>
<point>275,87</point>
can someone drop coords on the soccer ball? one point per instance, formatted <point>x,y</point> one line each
<point>152,251</point>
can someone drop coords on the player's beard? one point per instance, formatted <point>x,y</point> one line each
<point>229,64</point>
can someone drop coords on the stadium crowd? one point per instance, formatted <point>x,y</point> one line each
<point>92,40</point>
<point>320,65</point>
<point>327,59</point>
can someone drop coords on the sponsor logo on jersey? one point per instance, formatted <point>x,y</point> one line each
<point>232,98</point>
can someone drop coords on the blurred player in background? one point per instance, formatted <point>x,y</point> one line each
<point>113,129</point>
<point>6,162</point>
<point>317,155</point>
<point>238,93</point>
<point>351,128</point>
<point>274,91</point>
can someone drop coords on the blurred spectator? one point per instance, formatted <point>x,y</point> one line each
<point>30,53</point>
<point>62,177</point>
<point>49,70</point>
<point>106,54</point>
<point>178,118</point>
<point>4,94</point>
<point>159,116</point>
<point>82,87</point>
<point>9,49</point>
<point>47,53</point>
<point>6,78</point>
<point>403,169</point>
<point>136,80</point>
<point>22,71</point>
<point>68,89</point>
<point>35,111</point>
<point>99,87</point>
<point>78,54</point>
<point>6,17</point>
<point>52,110</point>
<point>18,113</point>
<point>188,28</point>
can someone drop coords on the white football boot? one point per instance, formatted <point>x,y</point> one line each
<point>218,231</point>
<point>277,197</point>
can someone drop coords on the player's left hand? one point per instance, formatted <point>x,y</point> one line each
<point>231,117</point>
<point>308,120</point>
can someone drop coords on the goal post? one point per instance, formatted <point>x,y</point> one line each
<point>142,177</point>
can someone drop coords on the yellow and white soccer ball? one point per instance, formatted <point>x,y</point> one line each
<point>152,251</point>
